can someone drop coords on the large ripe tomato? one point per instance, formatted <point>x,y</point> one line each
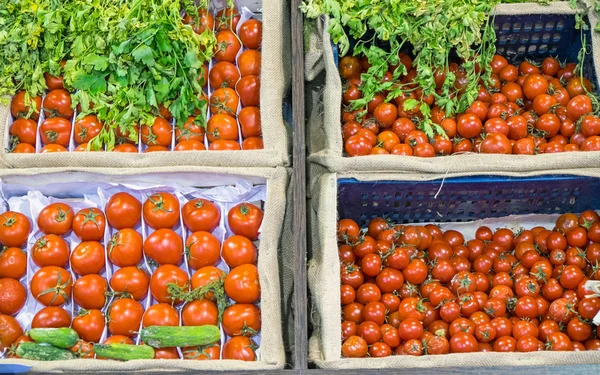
<point>13,263</point>
<point>202,249</point>
<point>549,124</point>
<point>51,317</point>
<point>14,229</point>
<point>123,211</point>
<point>12,296</point>
<point>24,131</point>
<point>58,103</point>
<point>164,246</point>
<point>241,319</point>
<point>238,250</point>
<point>86,128</point>
<point>250,33</point>
<point>22,148</point>
<point>161,314</point>
<point>205,276</point>
<point>51,286</point>
<point>125,317</point>
<point>89,224</point>
<point>228,46</point>
<point>463,343</point>
<point>125,248</point>
<point>200,312</point>
<point>469,126</point>
<point>240,348</point>
<point>162,277</point>
<point>248,88</point>
<point>88,258</point>
<point>161,210</point>
<point>132,281</point>
<point>56,130</point>
<point>157,134</point>
<point>56,218</point>
<point>89,291</point>
<point>89,324</point>
<point>224,74</point>
<point>249,62</point>
<point>242,284</point>
<point>200,215</point>
<point>191,130</point>
<point>50,250</point>
<point>224,100</point>
<point>20,106</point>
<point>534,85</point>
<point>10,330</point>
<point>579,106</point>
<point>495,143</point>
<point>558,341</point>
<point>245,219</point>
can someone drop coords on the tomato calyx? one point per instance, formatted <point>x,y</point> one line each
<point>90,216</point>
<point>159,204</point>
<point>222,46</point>
<point>511,303</point>
<point>248,331</point>
<point>83,312</point>
<point>58,290</point>
<point>9,222</point>
<point>80,350</point>
<point>83,133</point>
<point>61,215</point>
<point>221,105</point>
<point>42,242</point>
<point>198,351</point>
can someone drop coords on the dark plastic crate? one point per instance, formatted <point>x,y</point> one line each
<point>465,198</point>
<point>537,36</point>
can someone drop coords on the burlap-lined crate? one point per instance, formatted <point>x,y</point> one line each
<point>325,99</point>
<point>275,83</point>
<point>324,267</point>
<point>273,236</point>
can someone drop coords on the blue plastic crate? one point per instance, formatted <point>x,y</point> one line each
<point>536,37</point>
<point>465,198</point>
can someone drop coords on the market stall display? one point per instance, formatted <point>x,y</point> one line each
<point>429,267</point>
<point>172,264</point>
<point>186,78</point>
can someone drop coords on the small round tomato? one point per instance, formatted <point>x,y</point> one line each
<point>534,85</point>
<point>21,104</point>
<point>238,250</point>
<point>558,341</point>
<point>125,248</point>
<point>250,32</point>
<point>14,229</point>
<point>249,62</point>
<point>240,348</point>
<point>191,130</point>
<point>51,317</point>
<point>89,324</point>
<point>248,88</point>
<point>161,210</point>
<point>469,126</point>
<point>202,249</point>
<point>89,291</point>
<point>125,317</point>
<point>123,211</point>
<point>242,284</point>
<point>88,258</point>
<point>579,106</point>
<point>200,215</point>
<point>161,314</point>
<point>200,312</point>
<point>23,131</point>
<point>164,246</point>
<point>162,277</point>
<point>56,218</point>
<point>228,46</point>
<point>58,103</point>
<point>224,74</point>
<point>86,129</point>
<point>51,286</point>
<point>132,281</point>
<point>157,134</point>
<point>245,219</point>
<point>89,224</point>
<point>463,343</point>
<point>13,263</point>
<point>12,296</point>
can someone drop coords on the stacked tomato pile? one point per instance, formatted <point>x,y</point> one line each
<point>524,110</point>
<point>234,78</point>
<point>108,290</point>
<point>417,290</point>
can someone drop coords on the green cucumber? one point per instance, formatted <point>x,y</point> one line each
<point>124,352</point>
<point>60,337</point>
<point>41,352</point>
<point>166,337</point>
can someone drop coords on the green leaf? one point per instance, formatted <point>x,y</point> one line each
<point>99,62</point>
<point>94,83</point>
<point>410,104</point>
<point>143,53</point>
